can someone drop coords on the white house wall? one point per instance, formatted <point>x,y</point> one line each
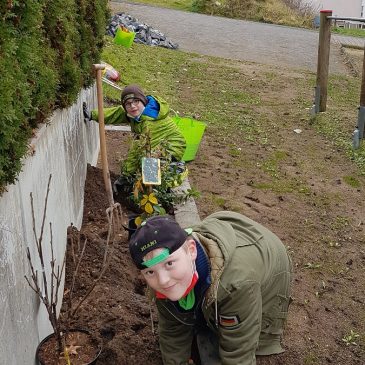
<point>63,147</point>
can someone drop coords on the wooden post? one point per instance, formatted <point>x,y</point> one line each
<point>361,114</point>
<point>362,94</point>
<point>323,58</point>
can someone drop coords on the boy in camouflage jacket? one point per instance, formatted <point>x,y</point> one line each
<point>227,282</point>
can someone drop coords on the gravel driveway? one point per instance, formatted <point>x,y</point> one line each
<point>236,39</point>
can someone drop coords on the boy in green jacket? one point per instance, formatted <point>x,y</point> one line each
<point>143,113</point>
<point>226,282</point>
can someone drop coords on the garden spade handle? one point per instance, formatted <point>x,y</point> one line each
<point>104,160</point>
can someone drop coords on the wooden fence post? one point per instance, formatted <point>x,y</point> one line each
<point>361,115</point>
<point>362,94</point>
<point>323,59</point>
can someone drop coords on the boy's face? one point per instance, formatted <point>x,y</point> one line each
<point>172,276</point>
<point>134,107</point>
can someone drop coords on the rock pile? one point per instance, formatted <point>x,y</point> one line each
<point>144,33</point>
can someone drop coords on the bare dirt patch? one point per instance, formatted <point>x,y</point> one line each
<point>322,226</point>
<point>117,311</point>
<point>260,156</point>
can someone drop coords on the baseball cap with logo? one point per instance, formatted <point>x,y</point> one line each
<point>156,232</point>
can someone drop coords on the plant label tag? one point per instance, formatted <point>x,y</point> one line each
<point>151,171</point>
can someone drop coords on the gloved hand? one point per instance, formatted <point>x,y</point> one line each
<point>86,112</point>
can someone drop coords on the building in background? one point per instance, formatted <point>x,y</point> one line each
<point>342,8</point>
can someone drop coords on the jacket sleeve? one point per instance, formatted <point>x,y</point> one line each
<point>166,130</point>
<point>175,338</point>
<point>177,146</point>
<point>114,115</point>
<point>238,342</point>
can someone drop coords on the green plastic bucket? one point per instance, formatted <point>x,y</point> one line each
<point>193,131</point>
<point>124,38</point>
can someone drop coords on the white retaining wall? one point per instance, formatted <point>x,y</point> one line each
<point>62,147</point>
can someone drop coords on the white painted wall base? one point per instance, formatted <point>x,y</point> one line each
<point>63,147</point>
<point>186,214</point>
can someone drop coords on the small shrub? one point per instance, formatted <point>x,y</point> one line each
<point>159,199</point>
<point>199,6</point>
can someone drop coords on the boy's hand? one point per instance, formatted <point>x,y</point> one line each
<point>189,362</point>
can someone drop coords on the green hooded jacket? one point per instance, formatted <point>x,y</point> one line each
<point>247,301</point>
<point>163,128</point>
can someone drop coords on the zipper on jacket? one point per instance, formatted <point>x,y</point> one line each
<point>216,311</point>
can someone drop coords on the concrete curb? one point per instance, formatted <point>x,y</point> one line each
<point>186,214</point>
<point>123,128</point>
<point>348,41</point>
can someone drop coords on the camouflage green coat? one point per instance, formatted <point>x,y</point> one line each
<point>247,301</point>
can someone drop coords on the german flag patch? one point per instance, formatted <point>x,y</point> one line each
<point>229,322</point>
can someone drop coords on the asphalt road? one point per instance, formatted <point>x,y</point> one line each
<point>236,39</point>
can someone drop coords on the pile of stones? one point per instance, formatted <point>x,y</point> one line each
<point>144,33</point>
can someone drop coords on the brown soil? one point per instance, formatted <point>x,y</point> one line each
<point>328,250</point>
<point>116,311</point>
<point>81,346</point>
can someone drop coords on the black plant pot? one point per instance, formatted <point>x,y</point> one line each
<point>92,362</point>
<point>132,227</point>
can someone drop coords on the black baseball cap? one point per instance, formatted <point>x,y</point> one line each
<point>156,232</point>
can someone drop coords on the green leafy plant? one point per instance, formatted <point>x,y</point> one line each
<point>350,338</point>
<point>149,205</point>
<point>159,199</point>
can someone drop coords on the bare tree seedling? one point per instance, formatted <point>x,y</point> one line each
<point>46,284</point>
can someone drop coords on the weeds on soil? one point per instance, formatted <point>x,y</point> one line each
<point>350,338</point>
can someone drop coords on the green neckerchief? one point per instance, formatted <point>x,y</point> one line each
<point>188,301</point>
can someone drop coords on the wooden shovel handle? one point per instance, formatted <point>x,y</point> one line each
<point>104,159</point>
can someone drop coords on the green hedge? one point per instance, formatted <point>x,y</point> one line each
<point>47,48</point>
